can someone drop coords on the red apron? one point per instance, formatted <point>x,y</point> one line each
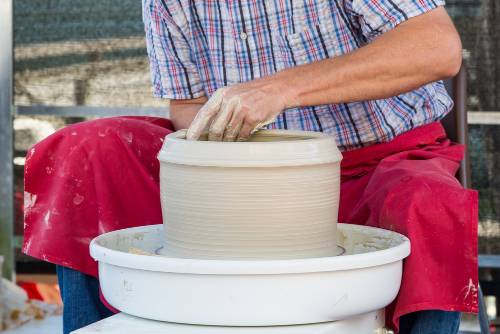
<point>102,175</point>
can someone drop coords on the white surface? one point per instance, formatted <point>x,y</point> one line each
<point>274,197</point>
<point>484,117</point>
<point>250,293</point>
<point>126,324</point>
<point>469,323</point>
<point>49,325</point>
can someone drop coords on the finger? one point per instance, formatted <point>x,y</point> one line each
<point>221,120</point>
<point>232,132</point>
<point>268,121</point>
<point>234,126</point>
<point>246,131</point>
<point>203,117</point>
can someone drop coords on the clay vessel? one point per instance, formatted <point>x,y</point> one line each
<point>273,197</point>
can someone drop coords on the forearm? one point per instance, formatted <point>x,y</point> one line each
<point>182,112</point>
<point>421,50</point>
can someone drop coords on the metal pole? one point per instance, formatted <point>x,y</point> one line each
<point>6,136</point>
<point>86,111</point>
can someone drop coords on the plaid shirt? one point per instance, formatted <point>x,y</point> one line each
<point>196,47</point>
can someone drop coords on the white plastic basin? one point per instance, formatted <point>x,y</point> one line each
<point>250,293</point>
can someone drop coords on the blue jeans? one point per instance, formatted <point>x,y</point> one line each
<point>430,322</point>
<point>80,296</point>
<point>82,306</point>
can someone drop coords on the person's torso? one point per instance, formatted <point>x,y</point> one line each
<point>237,41</point>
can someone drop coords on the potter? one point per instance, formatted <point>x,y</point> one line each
<point>365,72</point>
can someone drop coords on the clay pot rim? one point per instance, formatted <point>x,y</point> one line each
<point>316,148</point>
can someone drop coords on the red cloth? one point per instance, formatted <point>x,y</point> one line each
<point>408,185</point>
<point>102,175</point>
<point>31,289</point>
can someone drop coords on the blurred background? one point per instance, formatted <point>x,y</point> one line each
<point>87,54</point>
<point>80,59</point>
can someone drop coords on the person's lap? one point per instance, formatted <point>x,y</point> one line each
<point>384,197</point>
<point>87,179</point>
<point>415,193</point>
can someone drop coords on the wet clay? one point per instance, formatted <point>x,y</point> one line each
<point>273,198</point>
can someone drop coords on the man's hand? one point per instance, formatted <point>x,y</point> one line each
<point>235,112</point>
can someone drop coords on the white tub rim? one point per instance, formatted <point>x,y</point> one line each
<point>101,253</point>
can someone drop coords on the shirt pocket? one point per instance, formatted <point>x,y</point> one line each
<point>310,44</point>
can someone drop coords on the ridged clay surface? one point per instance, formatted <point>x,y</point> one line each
<point>275,197</point>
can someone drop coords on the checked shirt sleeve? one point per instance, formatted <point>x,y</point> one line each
<point>376,17</point>
<point>174,73</point>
